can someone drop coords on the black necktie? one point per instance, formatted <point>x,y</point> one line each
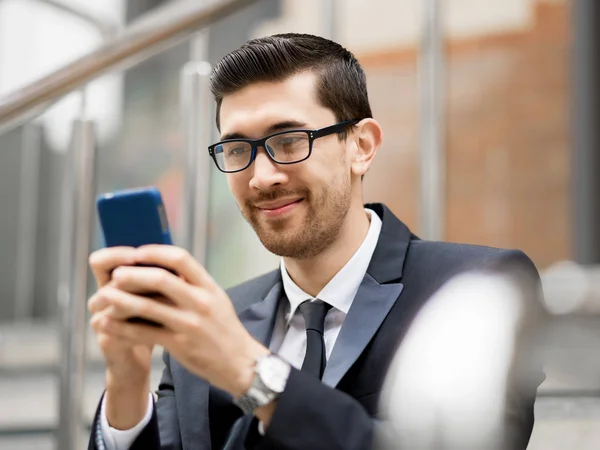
<point>314,315</point>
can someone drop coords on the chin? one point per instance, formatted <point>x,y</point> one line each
<point>281,238</point>
<point>285,249</point>
<point>297,244</point>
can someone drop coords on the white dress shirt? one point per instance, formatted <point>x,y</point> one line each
<point>289,334</point>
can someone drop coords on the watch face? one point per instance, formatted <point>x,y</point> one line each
<point>274,373</point>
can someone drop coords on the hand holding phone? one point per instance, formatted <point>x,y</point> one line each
<point>133,218</point>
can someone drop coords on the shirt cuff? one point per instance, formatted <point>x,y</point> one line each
<point>261,428</point>
<point>123,439</point>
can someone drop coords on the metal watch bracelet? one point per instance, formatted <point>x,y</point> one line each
<point>270,375</point>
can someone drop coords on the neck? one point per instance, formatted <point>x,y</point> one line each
<point>313,274</point>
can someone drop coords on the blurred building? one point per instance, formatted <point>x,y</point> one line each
<point>508,135</point>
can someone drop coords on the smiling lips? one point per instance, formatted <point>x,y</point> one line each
<point>279,207</point>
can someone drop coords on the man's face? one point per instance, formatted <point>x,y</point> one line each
<point>296,210</point>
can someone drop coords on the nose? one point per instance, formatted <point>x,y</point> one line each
<point>265,172</point>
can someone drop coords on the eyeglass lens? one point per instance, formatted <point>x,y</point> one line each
<point>283,148</point>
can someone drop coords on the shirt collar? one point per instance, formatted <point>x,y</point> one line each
<point>342,288</point>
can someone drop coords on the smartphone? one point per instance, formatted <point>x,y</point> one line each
<point>133,218</point>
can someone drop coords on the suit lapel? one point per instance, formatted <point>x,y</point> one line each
<point>376,295</point>
<point>259,318</point>
<point>370,307</point>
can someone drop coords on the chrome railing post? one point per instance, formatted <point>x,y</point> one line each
<point>432,158</point>
<point>27,220</point>
<point>77,210</point>
<point>197,116</point>
<point>330,12</point>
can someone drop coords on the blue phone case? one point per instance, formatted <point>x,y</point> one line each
<point>133,218</point>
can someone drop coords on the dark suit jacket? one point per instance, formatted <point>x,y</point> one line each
<point>341,411</point>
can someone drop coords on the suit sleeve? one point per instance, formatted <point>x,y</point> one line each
<point>312,415</point>
<point>162,432</point>
<point>527,371</point>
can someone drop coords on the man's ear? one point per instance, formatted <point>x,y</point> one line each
<point>368,136</point>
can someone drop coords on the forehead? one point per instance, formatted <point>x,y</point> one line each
<point>256,107</point>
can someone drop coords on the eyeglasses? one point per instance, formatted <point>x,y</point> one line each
<point>285,147</point>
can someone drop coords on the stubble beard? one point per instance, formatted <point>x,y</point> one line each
<point>318,230</point>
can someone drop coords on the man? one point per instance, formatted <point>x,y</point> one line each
<point>294,359</point>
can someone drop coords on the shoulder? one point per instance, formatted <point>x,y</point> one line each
<point>429,265</point>
<point>462,251</point>
<point>433,256</point>
<point>253,290</point>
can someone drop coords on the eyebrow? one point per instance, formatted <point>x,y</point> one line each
<point>274,128</point>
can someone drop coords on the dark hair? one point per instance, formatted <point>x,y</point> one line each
<point>341,85</point>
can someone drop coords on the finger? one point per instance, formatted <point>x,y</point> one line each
<point>104,261</point>
<point>100,301</point>
<point>100,324</point>
<point>135,333</point>
<point>98,320</point>
<point>97,302</point>
<point>178,260</point>
<point>157,280</point>
<point>125,305</point>
<point>109,343</point>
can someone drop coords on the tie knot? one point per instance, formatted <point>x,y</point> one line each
<point>314,314</point>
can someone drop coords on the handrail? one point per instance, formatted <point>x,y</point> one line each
<point>107,28</point>
<point>158,30</point>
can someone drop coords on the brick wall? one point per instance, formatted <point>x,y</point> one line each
<point>507,136</point>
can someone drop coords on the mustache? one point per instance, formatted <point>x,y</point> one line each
<point>267,196</point>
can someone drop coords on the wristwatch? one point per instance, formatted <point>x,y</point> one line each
<point>270,377</point>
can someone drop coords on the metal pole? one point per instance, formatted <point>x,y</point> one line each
<point>432,161</point>
<point>27,231</point>
<point>199,46</point>
<point>198,112</point>
<point>78,193</point>
<point>329,19</point>
<point>586,133</point>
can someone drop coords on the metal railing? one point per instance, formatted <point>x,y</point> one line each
<point>106,28</point>
<point>432,166</point>
<point>156,31</point>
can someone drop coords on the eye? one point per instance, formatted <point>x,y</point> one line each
<point>286,141</point>
<point>237,150</point>
<point>291,142</point>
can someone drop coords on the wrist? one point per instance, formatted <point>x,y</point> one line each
<point>268,382</point>
<point>125,410</point>
<point>245,369</point>
<point>120,384</point>
<point>126,400</point>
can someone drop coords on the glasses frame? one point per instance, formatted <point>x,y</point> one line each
<point>257,143</point>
